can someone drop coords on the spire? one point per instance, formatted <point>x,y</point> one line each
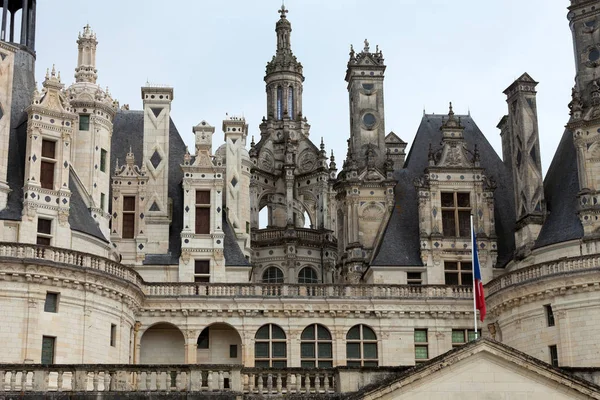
<point>86,60</point>
<point>284,59</point>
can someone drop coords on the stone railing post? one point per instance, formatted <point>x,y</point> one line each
<point>79,380</point>
<point>195,384</point>
<point>235,378</point>
<point>40,380</point>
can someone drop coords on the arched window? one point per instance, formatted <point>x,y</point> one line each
<point>270,348</point>
<point>290,100</point>
<point>279,103</point>
<point>308,275</point>
<point>272,275</point>
<point>361,347</point>
<point>316,347</point>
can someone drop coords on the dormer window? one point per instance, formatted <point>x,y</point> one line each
<point>456,214</point>
<point>48,163</point>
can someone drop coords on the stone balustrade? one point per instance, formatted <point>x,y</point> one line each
<point>271,235</point>
<point>119,378</point>
<point>542,270</point>
<point>288,381</point>
<point>68,378</point>
<point>70,257</point>
<point>309,290</point>
<point>85,260</point>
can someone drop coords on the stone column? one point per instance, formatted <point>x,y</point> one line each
<point>191,346</point>
<point>24,20</point>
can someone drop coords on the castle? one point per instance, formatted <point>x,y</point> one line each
<point>129,261</point>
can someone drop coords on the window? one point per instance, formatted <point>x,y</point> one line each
<point>456,214</point>
<point>202,212</point>
<point>51,303</point>
<point>202,271</point>
<point>113,335</point>
<point>462,336</point>
<point>128,217</point>
<point>553,355</point>
<point>290,100</point>
<point>421,345</point>
<point>307,275</point>
<point>270,347</point>
<point>458,273</point>
<point>84,122</point>
<point>48,344</point>
<point>549,314</point>
<point>316,347</point>
<point>233,351</point>
<point>103,160</point>
<point>44,232</point>
<point>414,278</point>
<point>203,339</point>
<point>272,275</point>
<point>47,164</point>
<point>279,103</point>
<point>102,201</point>
<point>361,347</point>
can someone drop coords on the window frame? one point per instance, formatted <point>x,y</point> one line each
<point>413,280</point>
<point>43,235</point>
<point>86,123</point>
<point>271,342</point>
<point>200,208</point>
<point>273,281</point>
<point>103,156</point>
<point>48,159</point>
<point>459,271</point>
<point>47,307</point>
<point>553,350</point>
<point>550,320</point>
<point>466,337</point>
<point>51,339</point>
<point>126,215</point>
<point>313,280</point>
<point>421,345</point>
<point>113,335</point>
<point>201,277</point>
<point>455,211</point>
<point>317,343</point>
<point>362,361</point>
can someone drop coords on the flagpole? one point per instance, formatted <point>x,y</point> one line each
<point>473,244</point>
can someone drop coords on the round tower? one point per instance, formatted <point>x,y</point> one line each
<point>91,145</point>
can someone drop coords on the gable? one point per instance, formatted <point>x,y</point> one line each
<point>481,369</point>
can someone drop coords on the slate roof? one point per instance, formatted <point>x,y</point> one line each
<point>128,132</point>
<point>80,218</point>
<point>561,186</point>
<point>400,244</point>
<point>17,143</point>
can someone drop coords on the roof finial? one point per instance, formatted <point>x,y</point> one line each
<point>283,10</point>
<point>366,49</point>
<point>450,112</point>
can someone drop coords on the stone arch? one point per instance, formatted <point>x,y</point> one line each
<point>224,345</point>
<point>162,343</point>
<point>272,274</point>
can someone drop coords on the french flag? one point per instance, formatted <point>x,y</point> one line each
<point>477,283</point>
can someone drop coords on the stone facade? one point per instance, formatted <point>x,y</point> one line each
<point>120,245</point>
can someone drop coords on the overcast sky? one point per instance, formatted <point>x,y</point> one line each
<point>214,54</point>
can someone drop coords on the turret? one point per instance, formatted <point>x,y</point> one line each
<point>90,152</point>
<point>284,76</point>
<point>367,118</point>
